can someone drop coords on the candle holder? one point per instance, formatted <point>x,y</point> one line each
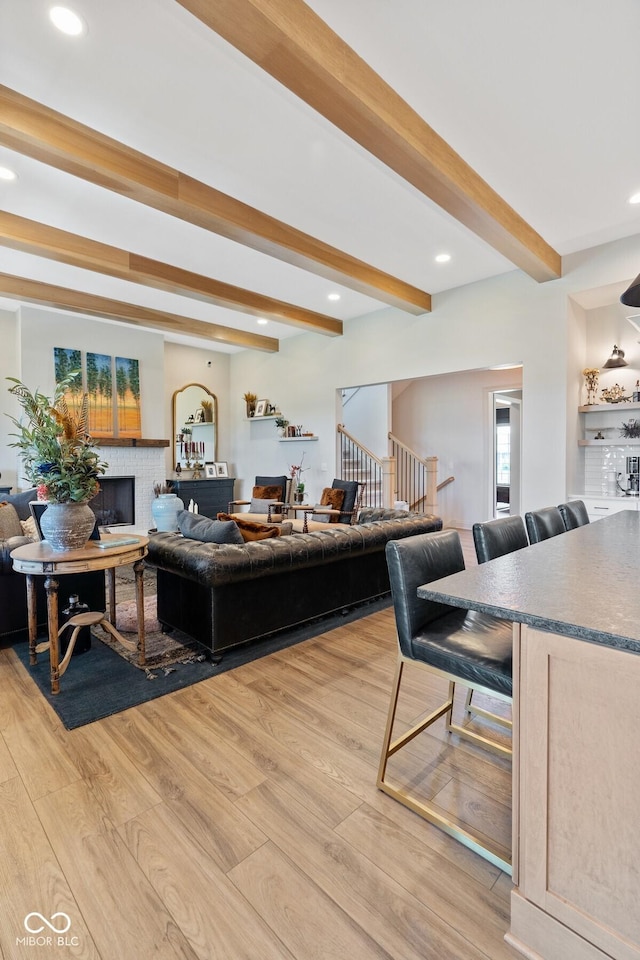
<point>197,470</point>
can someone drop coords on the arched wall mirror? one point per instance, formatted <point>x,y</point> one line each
<point>195,424</point>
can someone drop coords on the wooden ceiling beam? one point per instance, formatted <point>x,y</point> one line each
<point>288,40</point>
<point>74,301</point>
<point>33,129</point>
<point>33,237</point>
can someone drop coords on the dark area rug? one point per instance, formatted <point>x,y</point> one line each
<point>100,682</point>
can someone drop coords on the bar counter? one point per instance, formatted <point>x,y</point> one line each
<point>574,601</point>
<point>584,583</point>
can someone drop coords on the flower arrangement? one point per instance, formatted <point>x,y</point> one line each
<point>250,399</point>
<point>57,452</point>
<point>295,473</point>
<point>591,375</point>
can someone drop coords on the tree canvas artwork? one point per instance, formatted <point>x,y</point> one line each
<point>128,397</point>
<point>67,362</point>
<point>114,400</point>
<point>100,390</point>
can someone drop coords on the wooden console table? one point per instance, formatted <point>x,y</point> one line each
<point>39,560</point>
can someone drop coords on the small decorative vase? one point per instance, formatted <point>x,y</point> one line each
<point>67,526</point>
<point>280,431</point>
<point>251,409</point>
<point>164,510</point>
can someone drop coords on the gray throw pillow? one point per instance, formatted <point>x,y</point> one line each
<point>261,506</point>
<point>321,517</point>
<point>208,531</point>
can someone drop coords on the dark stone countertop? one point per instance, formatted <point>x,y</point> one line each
<point>584,583</point>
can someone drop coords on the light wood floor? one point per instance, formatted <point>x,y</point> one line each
<point>239,819</point>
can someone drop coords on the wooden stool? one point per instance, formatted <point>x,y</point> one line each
<point>79,621</point>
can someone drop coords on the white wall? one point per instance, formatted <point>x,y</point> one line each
<point>39,331</point>
<point>508,319</point>
<point>184,365</point>
<point>451,417</point>
<point>9,365</point>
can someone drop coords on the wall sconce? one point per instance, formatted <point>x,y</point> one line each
<point>616,359</point>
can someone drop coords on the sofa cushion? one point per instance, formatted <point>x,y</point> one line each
<point>334,498</point>
<point>266,493</point>
<point>208,531</point>
<point>251,529</point>
<point>9,521</point>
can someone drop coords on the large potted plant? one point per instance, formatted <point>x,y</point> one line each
<point>59,459</point>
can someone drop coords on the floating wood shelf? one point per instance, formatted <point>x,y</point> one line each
<point>129,442</point>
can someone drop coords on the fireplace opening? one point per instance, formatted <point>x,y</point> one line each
<point>114,505</point>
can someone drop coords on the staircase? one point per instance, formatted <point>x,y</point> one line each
<point>401,476</point>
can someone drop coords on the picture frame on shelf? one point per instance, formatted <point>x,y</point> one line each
<point>199,415</point>
<point>210,471</point>
<point>221,468</point>
<point>261,408</point>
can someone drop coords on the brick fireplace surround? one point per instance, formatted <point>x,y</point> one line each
<point>143,460</point>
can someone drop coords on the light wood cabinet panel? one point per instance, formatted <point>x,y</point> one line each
<point>578,787</point>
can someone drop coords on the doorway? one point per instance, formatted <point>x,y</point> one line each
<point>506,446</point>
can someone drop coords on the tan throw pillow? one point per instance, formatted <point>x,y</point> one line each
<point>267,493</point>
<point>29,528</point>
<point>10,525</point>
<point>334,499</point>
<point>251,529</point>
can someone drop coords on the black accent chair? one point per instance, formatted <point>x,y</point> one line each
<point>495,538</point>
<point>457,645</point>
<point>574,514</point>
<point>544,524</point>
<point>352,503</point>
<point>280,482</point>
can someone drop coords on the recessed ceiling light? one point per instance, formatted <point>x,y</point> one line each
<point>443,258</point>
<point>262,321</point>
<point>6,174</point>
<point>635,198</point>
<point>333,296</point>
<point>66,21</point>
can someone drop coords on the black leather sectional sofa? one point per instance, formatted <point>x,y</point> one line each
<point>226,594</point>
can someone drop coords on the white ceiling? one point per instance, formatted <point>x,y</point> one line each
<point>536,96</point>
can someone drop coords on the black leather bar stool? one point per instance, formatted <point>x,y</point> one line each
<point>574,514</point>
<point>460,646</point>
<point>544,524</point>
<point>495,538</point>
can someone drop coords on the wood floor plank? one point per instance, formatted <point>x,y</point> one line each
<point>118,786</point>
<point>213,916</point>
<point>483,814</point>
<point>478,913</point>
<point>8,769</point>
<point>205,812</point>
<point>267,771</point>
<point>222,765</point>
<point>311,924</point>
<point>32,735</point>
<point>281,765</point>
<point>31,879</point>
<point>397,921</point>
<point>123,912</point>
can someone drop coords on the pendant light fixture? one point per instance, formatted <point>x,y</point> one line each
<point>631,296</point>
<point>616,359</point>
